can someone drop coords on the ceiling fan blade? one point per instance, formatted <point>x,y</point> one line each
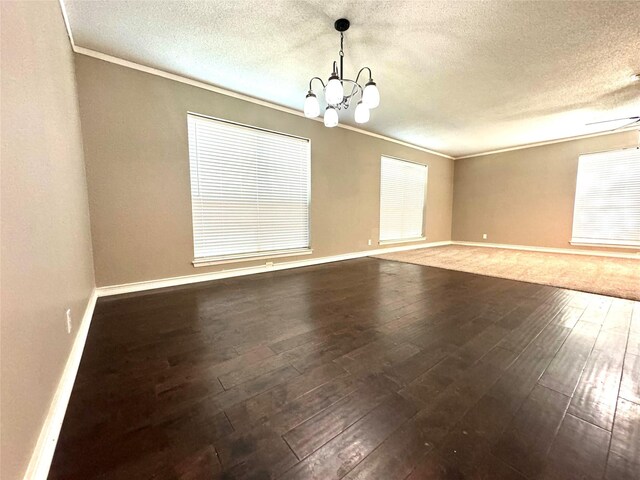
<point>634,122</point>
<point>614,120</point>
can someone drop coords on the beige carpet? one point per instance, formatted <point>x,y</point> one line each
<point>618,277</point>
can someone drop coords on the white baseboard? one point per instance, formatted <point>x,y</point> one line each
<point>572,251</point>
<point>237,272</point>
<point>38,468</point>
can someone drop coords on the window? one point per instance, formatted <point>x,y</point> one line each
<point>249,191</point>
<point>402,194</point>
<point>607,204</point>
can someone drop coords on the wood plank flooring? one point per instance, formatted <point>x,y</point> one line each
<point>362,369</point>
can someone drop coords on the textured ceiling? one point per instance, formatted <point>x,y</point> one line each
<point>458,77</point>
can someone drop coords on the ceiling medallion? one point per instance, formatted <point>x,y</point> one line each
<point>339,92</point>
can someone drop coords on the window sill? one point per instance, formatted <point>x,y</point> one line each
<point>209,261</point>
<point>605,245</point>
<point>404,240</point>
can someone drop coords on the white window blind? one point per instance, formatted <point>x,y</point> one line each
<point>402,194</point>
<point>249,191</point>
<point>607,203</point>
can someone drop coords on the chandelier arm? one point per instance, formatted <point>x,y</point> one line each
<point>363,68</point>
<point>316,78</point>
<point>354,89</point>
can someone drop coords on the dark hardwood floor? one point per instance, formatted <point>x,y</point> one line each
<point>363,369</point>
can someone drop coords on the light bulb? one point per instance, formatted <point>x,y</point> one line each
<point>330,117</point>
<point>334,92</point>
<point>371,95</point>
<point>361,114</point>
<point>311,106</point>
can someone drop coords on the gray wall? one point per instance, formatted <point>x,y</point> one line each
<point>524,197</point>
<point>135,142</point>
<point>46,264</point>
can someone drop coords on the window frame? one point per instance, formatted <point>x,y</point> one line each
<point>423,235</point>
<point>579,241</point>
<point>248,256</point>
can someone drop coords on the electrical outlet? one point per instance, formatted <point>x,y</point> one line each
<point>484,236</point>
<point>69,324</point>
<point>369,243</point>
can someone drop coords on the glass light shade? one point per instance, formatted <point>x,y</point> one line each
<point>361,114</point>
<point>311,106</point>
<point>330,117</point>
<point>371,95</point>
<point>334,92</point>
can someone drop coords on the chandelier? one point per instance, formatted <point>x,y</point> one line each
<point>340,92</point>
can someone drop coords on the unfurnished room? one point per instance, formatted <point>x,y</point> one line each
<point>307,239</point>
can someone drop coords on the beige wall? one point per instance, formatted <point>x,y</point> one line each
<point>136,152</point>
<point>524,197</point>
<point>135,148</point>
<point>46,264</point>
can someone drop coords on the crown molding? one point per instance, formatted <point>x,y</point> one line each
<point>212,88</point>
<point>67,25</point>
<point>207,86</point>
<point>549,142</point>
<point>229,93</point>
